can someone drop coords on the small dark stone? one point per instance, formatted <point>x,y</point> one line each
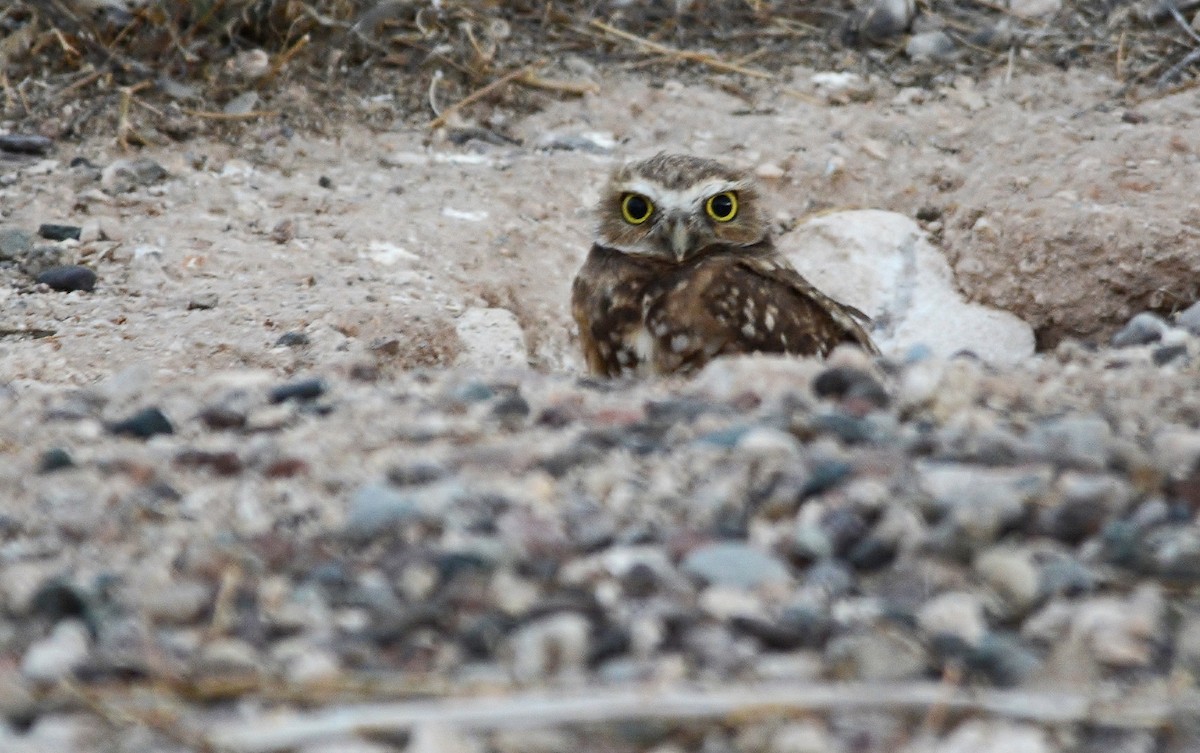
<point>511,407</point>
<point>834,382</point>
<point>292,340</point>
<point>222,417</point>
<point>1075,520</point>
<point>850,429</point>
<point>1133,117</point>
<point>844,527</point>
<point>81,162</point>
<point>929,213</point>
<point>324,182</point>
<point>56,599</point>
<point>640,581</point>
<point>608,642</point>
<point>485,635</point>
<point>1144,328</point>
<point>68,278</point>
<point>812,626</point>
<point>417,474</point>
<point>222,463</point>
<point>1002,660</point>
<point>1167,353</point>
<point>23,143</point>
<point>473,392</point>
<point>53,232</point>
<point>304,389</point>
<point>826,476</point>
<point>144,424</point>
<point>55,459</point>
<point>774,636</point>
<point>203,302</point>
<point>871,554</point>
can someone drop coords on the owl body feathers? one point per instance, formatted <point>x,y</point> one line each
<point>697,277</point>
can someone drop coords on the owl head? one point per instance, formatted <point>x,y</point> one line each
<point>675,207</point>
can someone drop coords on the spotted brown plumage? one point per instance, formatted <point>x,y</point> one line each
<point>684,270</point>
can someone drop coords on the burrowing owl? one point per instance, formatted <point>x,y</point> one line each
<point>684,270</point>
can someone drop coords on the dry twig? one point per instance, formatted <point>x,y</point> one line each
<point>532,710</point>
<point>480,93</point>
<point>696,57</point>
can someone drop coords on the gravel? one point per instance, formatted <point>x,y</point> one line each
<point>767,521</point>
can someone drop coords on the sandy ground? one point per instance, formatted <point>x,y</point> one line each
<point>1049,201</point>
<point>274,541</point>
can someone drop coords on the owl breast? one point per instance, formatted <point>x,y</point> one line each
<point>643,316</point>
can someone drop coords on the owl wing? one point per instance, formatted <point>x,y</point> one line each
<point>738,304</point>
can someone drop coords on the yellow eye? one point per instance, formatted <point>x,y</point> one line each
<point>636,208</point>
<point>723,207</point>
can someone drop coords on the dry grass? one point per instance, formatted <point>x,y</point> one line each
<point>166,70</point>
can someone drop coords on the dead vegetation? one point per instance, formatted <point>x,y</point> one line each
<point>157,70</point>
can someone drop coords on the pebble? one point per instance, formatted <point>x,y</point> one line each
<point>146,423</point>
<point>59,232</point>
<point>1189,319</point>
<point>1076,441</point>
<point>876,656</point>
<point>25,143</point>
<point>1034,8</point>
<point>41,259</point>
<point>292,340</point>
<point>123,176</point>
<point>990,736</point>
<point>930,46</point>
<point>554,645</point>
<point>735,565</point>
<point>68,278</point>
<point>203,302</point>
<point>1013,575</point>
<point>176,602</point>
<point>313,667</point>
<point>303,389</point>
<point>58,655</point>
<point>1144,328</point>
<point>883,19</point>
<point>14,243</point>
<point>54,459</point>
<point>956,613</point>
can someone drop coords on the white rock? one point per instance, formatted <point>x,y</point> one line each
<point>554,645</point>
<point>803,737</point>
<point>839,87</point>
<point>1012,574</point>
<point>434,738</point>
<point>956,613</point>
<point>882,263</point>
<point>56,656</point>
<point>313,667</point>
<point>1034,8</point>
<point>984,736</point>
<point>491,338</point>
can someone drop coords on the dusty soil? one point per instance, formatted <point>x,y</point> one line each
<point>1047,200</point>
<point>350,253</point>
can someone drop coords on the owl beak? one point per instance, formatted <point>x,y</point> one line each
<point>681,238</point>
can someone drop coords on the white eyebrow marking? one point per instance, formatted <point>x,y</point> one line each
<point>687,199</point>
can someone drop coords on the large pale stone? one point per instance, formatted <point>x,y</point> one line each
<point>883,263</point>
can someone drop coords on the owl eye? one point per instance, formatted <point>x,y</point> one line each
<point>636,208</point>
<point>723,207</point>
